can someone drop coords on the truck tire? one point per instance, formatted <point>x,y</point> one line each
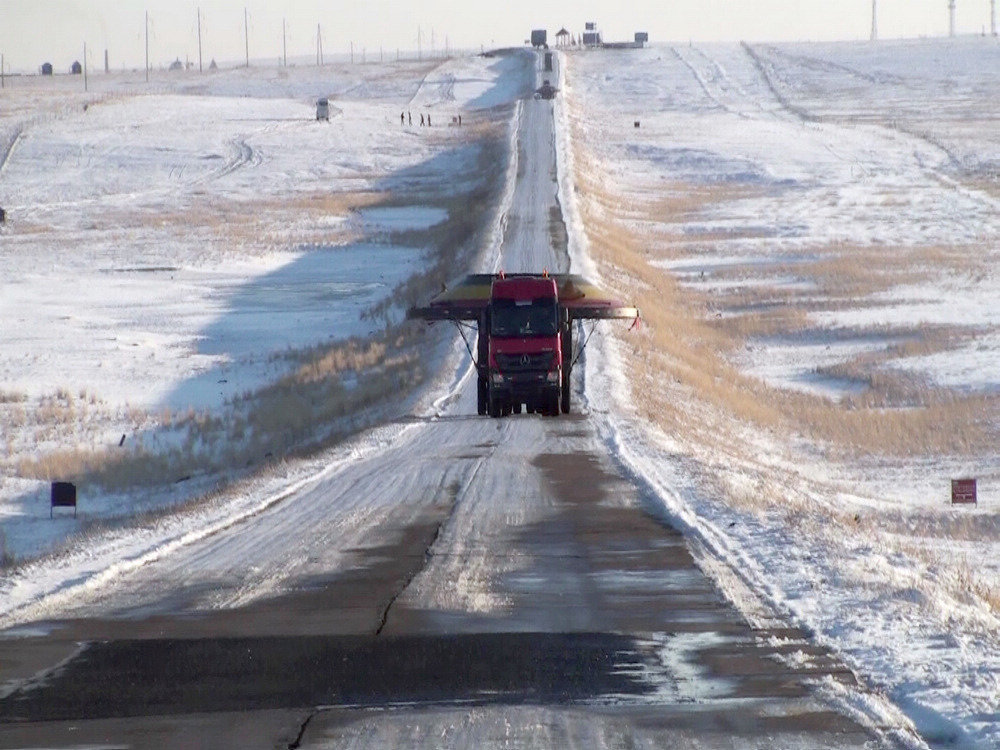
<point>496,409</point>
<point>482,396</point>
<point>517,408</point>
<point>565,396</point>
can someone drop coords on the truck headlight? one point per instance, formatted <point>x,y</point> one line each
<point>553,376</point>
<point>497,378</point>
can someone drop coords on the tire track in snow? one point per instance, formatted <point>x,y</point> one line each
<point>703,80</point>
<point>891,128</point>
<point>11,145</point>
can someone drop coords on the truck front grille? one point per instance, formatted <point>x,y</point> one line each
<point>524,362</point>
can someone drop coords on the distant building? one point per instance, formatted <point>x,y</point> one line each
<point>76,69</point>
<point>562,37</point>
<point>212,65</point>
<point>539,38</point>
<point>177,65</point>
<point>591,36</point>
<point>46,69</point>
<point>641,37</point>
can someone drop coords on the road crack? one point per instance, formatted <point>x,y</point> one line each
<point>454,491</point>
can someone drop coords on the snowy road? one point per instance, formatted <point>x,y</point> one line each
<point>465,582</point>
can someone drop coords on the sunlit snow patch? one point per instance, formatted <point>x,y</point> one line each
<point>402,218</point>
<point>675,671</point>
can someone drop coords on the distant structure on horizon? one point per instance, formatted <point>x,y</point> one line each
<point>46,69</point>
<point>591,36</point>
<point>76,68</point>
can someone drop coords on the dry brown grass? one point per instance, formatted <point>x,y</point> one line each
<point>332,391</point>
<point>682,350</point>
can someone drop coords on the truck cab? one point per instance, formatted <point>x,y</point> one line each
<point>524,352</point>
<point>524,355</point>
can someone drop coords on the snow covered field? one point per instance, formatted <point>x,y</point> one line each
<point>173,250</point>
<point>811,230</point>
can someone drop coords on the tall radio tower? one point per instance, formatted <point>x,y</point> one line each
<point>993,17</point>
<point>951,17</point>
<point>874,20</point>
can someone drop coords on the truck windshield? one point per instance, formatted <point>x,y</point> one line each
<point>535,317</point>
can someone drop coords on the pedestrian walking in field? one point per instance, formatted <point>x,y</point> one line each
<point>428,119</point>
<point>421,120</point>
<point>460,121</point>
<point>402,119</point>
<point>409,116</point>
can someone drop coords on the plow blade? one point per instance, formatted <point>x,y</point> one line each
<point>466,300</point>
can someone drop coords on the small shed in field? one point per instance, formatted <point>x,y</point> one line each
<point>46,69</point>
<point>76,68</point>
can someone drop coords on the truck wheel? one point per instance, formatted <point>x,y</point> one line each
<point>482,394</point>
<point>565,397</point>
<point>496,409</point>
<point>517,408</point>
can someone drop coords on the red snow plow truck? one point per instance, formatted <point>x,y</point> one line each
<point>524,354</point>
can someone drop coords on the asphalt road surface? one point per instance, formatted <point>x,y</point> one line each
<point>472,583</point>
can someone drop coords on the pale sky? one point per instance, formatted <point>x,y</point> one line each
<point>36,31</point>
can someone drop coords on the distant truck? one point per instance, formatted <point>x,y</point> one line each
<point>546,90</point>
<point>539,37</point>
<point>524,350</point>
<point>323,109</point>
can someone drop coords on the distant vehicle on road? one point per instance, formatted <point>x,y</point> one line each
<point>323,110</point>
<point>546,90</point>
<point>524,354</point>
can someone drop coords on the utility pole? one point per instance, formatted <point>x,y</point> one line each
<point>107,68</point>
<point>951,17</point>
<point>993,17</point>
<point>419,56</point>
<point>246,33</point>
<point>200,69</point>
<point>352,53</point>
<point>84,66</point>
<point>874,20</point>
<point>147,46</point>
<point>284,45</point>
<point>3,82</point>
<point>319,45</point>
